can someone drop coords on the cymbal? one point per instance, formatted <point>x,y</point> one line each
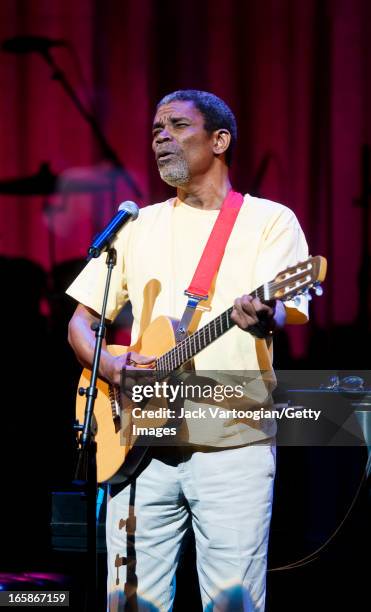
<point>46,182</point>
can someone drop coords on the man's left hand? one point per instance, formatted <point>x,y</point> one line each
<point>251,315</point>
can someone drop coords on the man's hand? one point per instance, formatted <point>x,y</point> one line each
<point>135,370</point>
<point>251,315</point>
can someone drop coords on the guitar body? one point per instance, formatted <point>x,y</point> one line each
<point>112,451</point>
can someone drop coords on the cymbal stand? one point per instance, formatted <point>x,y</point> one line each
<point>108,152</point>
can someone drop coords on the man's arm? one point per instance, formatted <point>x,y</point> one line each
<point>82,340</point>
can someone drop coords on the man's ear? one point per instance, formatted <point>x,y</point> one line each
<point>222,140</point>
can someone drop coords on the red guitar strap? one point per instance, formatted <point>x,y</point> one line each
<point>211,258</point>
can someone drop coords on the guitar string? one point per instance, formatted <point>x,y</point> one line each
<point>184,351</point>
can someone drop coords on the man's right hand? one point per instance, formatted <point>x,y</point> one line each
<point>82,340</point>
<point>135,369</point>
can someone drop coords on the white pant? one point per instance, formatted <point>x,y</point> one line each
<point>226,496</point>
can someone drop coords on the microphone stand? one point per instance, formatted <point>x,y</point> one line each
<point>86,467</point>
<point>108,151</point>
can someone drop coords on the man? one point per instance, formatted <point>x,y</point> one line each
<point>221,485</point>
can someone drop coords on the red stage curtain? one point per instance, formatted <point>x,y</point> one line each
<point>296,73</point>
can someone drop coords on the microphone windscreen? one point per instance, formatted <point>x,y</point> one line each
<point>130,207</point>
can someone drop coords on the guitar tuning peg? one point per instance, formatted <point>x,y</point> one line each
<point>318,290</point>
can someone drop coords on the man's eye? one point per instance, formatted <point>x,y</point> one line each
<point>181,124</point>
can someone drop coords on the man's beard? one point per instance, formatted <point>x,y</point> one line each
<point>175,172</point>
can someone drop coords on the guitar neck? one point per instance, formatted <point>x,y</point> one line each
<point>287,284</point>
<point>200,339</point>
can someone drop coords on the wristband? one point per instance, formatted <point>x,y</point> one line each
<point>262,329</point>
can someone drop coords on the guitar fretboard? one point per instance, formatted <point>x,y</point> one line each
<point>200,339</point>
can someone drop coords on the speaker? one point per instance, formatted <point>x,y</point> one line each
<point>69,521</point>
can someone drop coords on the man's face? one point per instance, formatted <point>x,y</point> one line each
<point>183,148</point>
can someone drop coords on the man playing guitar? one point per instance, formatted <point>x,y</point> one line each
<point>221,485</point>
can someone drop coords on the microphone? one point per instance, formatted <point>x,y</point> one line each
<point>27,44</point>
<point>128,211</point>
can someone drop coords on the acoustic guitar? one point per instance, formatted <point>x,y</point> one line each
<point>114,440</point>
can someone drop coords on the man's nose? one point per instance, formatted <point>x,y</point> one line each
<point>163,136</point>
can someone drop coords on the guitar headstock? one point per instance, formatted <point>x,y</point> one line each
<point>298,279</point>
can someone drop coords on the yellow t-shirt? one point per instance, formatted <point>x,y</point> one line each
<point>157,255</point>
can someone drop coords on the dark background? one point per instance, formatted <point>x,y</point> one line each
<point>297,74</point>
